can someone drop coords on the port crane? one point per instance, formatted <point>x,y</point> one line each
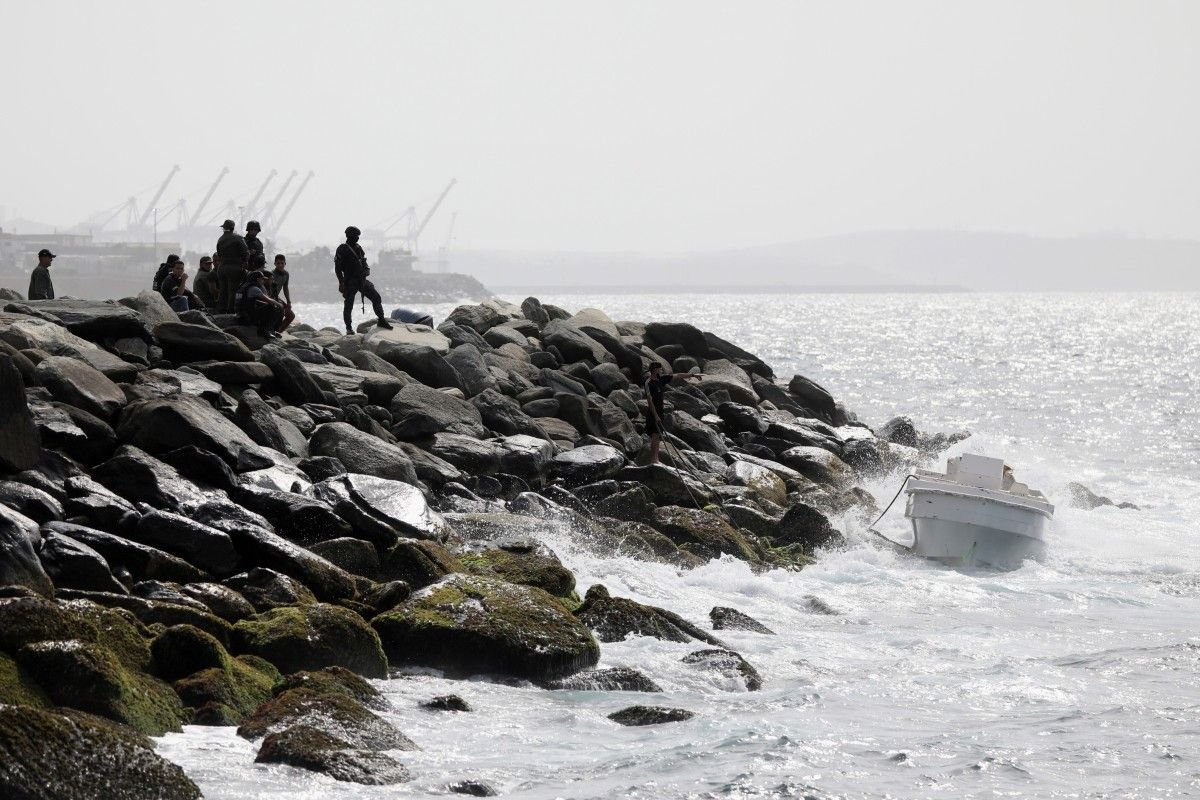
<point>415,225</point>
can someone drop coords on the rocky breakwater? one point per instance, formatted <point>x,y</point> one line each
<point>200,527</point>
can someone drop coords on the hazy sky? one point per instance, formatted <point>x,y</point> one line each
<point>652,126</point>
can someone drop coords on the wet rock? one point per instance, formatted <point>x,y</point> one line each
<point>205,547</point>
<point>126,557</point>
<point>231,691</point>
<point>473,371</point>
<point>397,505</point>
<point>260,423</point>
<point>574,344</point>
<point>704,534</point>
<point>1085,498</point>
<point>47,755</point>
<point>182,342</point>
<point>614,619</point>
<point>20,445</point>
<point>468,625</point>
<point>333,680</point>
<point>419,410</point>
<point>317,751</point>
<point>816,605</point>
<point>523,562</point>
<point>806,526</point>
<point>310,638</point>
<point>362,453</point>
<point>336,714</point>
<point>89,677</point>
<point>418,563</point>
<point>73,565</point>
<point>181,650</point>
<point>73,432</point>
<point>819,465</point>
<point>236,373</point>
<point>296,517</point>
<point>729,665</point>
<point>588,463</point>
<point>356,556</point>
<point>266,589</point>
<point>31,334</point>
<point>33,503</point>
<point>738,418</point>
<point>899,430</point>
<point>260,546</point>
<point>671,485</point>
<point>680,333</point>
<point>318,468</point>
<point>202,467</point>
<point>765,483</point>
<point>615,679</point>
<point>19,565</point>
<point>159,426</point>
<point>467,453</point>
<point>222,601</point>
<point>695,433</point>
<point>730,619</point>
<point>447,702</point>
<point>650,715</point>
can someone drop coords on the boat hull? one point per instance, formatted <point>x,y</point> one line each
<point>969,530</point>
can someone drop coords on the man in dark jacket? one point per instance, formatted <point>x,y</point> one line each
<point>40,285</point>
<point>206,285</point>
<point>253,243</point>
<point>350,266</point>
<point>164,269</point>
<point>234,255</point>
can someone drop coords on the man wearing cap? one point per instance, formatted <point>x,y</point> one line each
<point>233,254</point>
<point>206,287</point>
<point>350,266</point>
<point>40,285</point>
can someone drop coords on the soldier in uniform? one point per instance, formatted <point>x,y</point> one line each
<point>233,255</point>
<point>206,287</point>
<point>350,266</point>
<point>253,243</point>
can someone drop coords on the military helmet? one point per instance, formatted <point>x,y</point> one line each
<point>353,231</point>
<point>253,225</point>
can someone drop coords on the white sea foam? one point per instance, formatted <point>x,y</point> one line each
<point>1073,677</point>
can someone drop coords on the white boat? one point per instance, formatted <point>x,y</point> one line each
<point>976,514</point>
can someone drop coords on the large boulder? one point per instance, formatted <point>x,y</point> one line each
<point>729,666</point>
<point>806,526</point>
<point>124,557</point>
<point>479,318</point>
<point>295,384</point>
<point>472,369</point>
<point>574,344</point>
<point>418,410</point>
<point>819,465</point>
<point>20,445</point>
<point>93,319</point>
<point>765,483</point>
<point>361,452</point>
<point>334,713</point>
<point>423,363</point>
<point>76,383</point>
<point>504,415</point>
<point>182,343</point>
<point>91,678</point>
<point>671,485</point>
<point>64,755</point>
<point>468,625</point>
<point>348,383</point>
<point>19,542</point>
<point>686,336</point>
<point>238,373</point>
<point>398,505</point>
<point>589,463</point>
<point>200,545</point>
<point>159,426</point>
<point>813,396</point>
<point>74,565</point>
<point>315,750</point>
<point>73,432</point>
<point>257,545</point>
<point>403,333</point>
<point>614,619</point>
<point>467,453</point>
<point>31,333</point>
<point>696,433</point>
<point>704,534</point>
<point>312,637</point>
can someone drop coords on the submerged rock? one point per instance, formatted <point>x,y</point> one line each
<point>615,619</point>
<point>315,750</point>
<point>650,715</point>
<point>728,664</point>
<point>335,714</point>
<point>615,679</point>
<point>730,619</point>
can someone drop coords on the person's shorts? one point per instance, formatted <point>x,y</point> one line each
<point>652,426</point>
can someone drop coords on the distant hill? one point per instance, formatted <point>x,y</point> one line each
<point>979,261</point>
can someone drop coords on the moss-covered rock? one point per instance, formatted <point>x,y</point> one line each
<point>418,562</point>
<point>333,680</point>
<point>615,619</point>
<point>525,565</point>
<point>220,600</point>
<point>18,687</point>
<point>24,620</point>
<point>309,748</point>
<point>468,624</point>
<point>311,637</point>
<point>150,612</point>
<point>335,714</point>
<point>231,692</point>
<point>91,678</point>
<point>50,756</point>
<point>183,649</point>
<point>216,715</point>
<point>702,533</point>
<point>117,629</point>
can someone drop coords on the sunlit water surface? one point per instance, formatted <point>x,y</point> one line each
<point>1075,677</point>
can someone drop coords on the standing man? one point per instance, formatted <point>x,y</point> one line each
<point>350,266</point>
<point>656,384</point>
<point>253,243</point>
<point>279,287</point>
<point>234,254</point>
<point>40,285</point>
<point>206,283</point>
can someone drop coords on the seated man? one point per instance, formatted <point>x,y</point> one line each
<point>280,291</point>
<point>174,289</point>
<point>264,311</point>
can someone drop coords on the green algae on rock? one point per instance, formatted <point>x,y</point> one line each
<point>229,693</point>
<point>469,624</point>
<point>311,637</point>
<point>309,748</point>
<point>332,713</point>
<point>50,756</point>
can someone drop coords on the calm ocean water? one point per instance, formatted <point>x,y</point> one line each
<point>1076,677</point>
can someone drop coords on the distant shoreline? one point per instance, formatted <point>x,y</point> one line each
<point>733,289</point>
